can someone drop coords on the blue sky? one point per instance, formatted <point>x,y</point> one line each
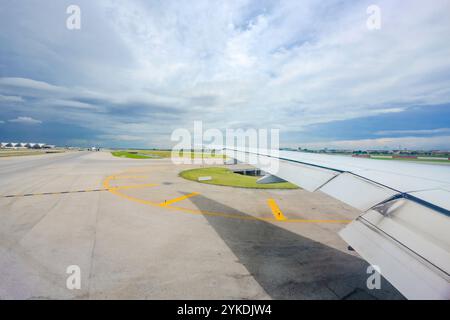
<point>137,70</point>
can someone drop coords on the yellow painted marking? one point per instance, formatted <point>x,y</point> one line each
<point>318,221</point>
<point>136,186</point>
<point>113,190</point>
<point>169,202</point>
<point>106,182</point>
<point>217,214</point>
<point>241,217</point>
<point>276,210</point>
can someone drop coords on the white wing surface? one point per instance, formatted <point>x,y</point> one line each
<point>404,227</point>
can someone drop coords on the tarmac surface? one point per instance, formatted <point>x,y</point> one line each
<point>139,231</point>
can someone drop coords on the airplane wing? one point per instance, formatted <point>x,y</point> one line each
<point>404,228</point>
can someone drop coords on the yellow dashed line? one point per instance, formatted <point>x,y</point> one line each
<point>169,202</point>
<point>275,210</point>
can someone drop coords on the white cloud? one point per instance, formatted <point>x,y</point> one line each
<point>28,84</point>
<point>4,98</point>
<point>69,104</point>
<point>259,60</point>
<point>25,120</point>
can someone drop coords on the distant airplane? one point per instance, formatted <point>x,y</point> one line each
<point>404,228</point>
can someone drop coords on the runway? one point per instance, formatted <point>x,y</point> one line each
<point>139,231</point>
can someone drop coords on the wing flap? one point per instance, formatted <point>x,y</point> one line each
<point>418,228</point>
<point>409,273</point>
<point>357,192</point>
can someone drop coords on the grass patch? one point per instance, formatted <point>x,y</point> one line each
<point>226,177</point>
<point>187,154</point>
<point>154,153</point>
<point>162,154</point>
<point>429,161</point>
<point>125,154</point>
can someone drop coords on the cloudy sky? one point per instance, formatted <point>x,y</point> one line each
<point>137,70</point>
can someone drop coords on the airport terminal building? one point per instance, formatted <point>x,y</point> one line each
<point>26,145</point>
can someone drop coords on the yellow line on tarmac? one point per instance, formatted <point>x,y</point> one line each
<point>169,202</point>
<point>247,217</point>
<point>276,210</point>
<point>123,195</point>
<point>136,186</point>
<point>318,221</point>
<point>200,212</point>
<point>219,214</point>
